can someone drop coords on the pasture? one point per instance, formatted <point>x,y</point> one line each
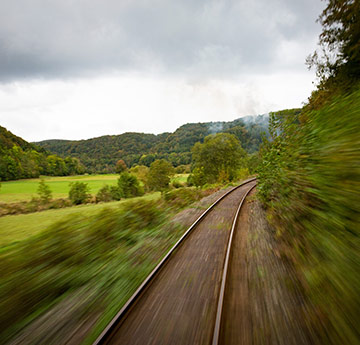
<point>22,190</point>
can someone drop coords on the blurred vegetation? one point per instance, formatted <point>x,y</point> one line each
<point>107,254</point>
<point>310,180</point>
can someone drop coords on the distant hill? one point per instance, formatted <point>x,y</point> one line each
<point>20,159</point>
<point>101,154</point>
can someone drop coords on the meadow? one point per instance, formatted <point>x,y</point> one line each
<point>22,190</point>
<point>15,228</point>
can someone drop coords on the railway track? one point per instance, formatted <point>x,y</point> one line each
<point>182,300</point>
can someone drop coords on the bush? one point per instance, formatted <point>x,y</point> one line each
<point>177,184</point>
<point>129,186</point>
<point>182,197</point>
<point>104,194</point>
<point>140,171</point>
<point>44,192</point>
<point>79,193</point>
<point>243,173</point>
<point>182,169</point>
<point>115,193</point>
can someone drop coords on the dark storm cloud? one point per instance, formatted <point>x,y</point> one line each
<point>64,38</point>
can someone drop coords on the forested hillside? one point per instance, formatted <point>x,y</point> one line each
<point>20,159</point>
<point>101,154</point>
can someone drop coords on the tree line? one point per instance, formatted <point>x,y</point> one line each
<point>20,159</point>
<point>99,155</point>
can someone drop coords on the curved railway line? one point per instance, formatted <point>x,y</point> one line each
<point>183,298</point>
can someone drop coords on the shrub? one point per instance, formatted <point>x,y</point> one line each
<point>129,186</point>
<point>44,192</point>
<point>140,171</point>
<point>104,194</point>
<point>182,169</point>
<point>182,197</point>
<point>177,184</point>
<point>115,193</point>
<point>79,193</point>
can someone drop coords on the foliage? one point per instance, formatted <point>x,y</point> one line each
<point>159,175</point>
<point>339,61</point>
<point>106,253</point>
<point>177,184</point>
<point>104,194</point>
<point>310,182</point>
<point>129,186</point>
<point>217,159</point>
<point>33,205</point>
<point>253,161</point>
<point>183,169</point>
<point>140,171</point>
<point>44,192</point>
<point>20,159</point>
<point>79,192</point>
<point>68,255</point>
<point>100,155</point>
<point>182,197</point>
<point>120,166</point>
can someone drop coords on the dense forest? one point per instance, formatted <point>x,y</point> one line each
<point>20,159</point>
<point>101,154</point>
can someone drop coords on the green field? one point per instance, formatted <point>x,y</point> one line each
<point>19,227</point>
<point>12,191</point>
<point>22,190</point>
<point>15,228</point>
<point>182,178</point>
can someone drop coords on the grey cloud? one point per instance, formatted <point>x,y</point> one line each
<point>61,38</point>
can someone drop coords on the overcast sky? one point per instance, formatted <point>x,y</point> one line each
<point>76,69</point>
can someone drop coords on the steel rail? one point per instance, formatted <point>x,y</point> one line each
<point>147,281</point>
<point>217,326</point>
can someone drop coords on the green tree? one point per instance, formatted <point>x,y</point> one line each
<point>140,171</point>
<point>79,193</point>
<point>217,159</point>
<point>129,185</point>
<point>159,174</point>
<point>147,159</point>
<point>339,43</point>
<point>44,192</point>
